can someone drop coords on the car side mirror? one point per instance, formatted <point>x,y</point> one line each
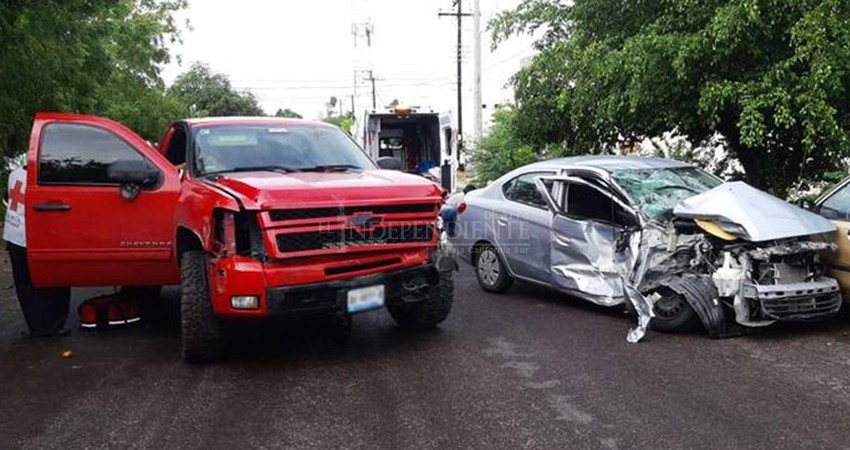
<point>133,176</point>
<point>389,163</point>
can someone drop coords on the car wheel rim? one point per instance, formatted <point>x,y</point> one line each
<point>488,268</point>
<point>669,307</point>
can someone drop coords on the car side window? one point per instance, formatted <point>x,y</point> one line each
<point>523,190</point>
<point>80,154</point>
<point>837,206</point>
<point>586,203</point>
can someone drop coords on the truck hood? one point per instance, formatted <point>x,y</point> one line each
<point>737,209</point>
<point>268,190</point>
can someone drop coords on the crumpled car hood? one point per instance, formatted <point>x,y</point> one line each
<point>752,214</point>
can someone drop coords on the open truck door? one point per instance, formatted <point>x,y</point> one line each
<point>100,205</point>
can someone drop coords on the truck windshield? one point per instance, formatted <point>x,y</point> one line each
<point>298,147</point>
<point>657,191</point>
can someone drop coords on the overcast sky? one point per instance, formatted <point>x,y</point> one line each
<point>296,54</point>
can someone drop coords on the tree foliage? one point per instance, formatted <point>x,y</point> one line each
<point>501,151</point>
<point>345,121</point>
<point>210,94</point>
<point>287,113</point>
<point>88,56</point>
<point>771,76</point>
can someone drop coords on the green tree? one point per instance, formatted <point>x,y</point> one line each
<point>288,113</point>
<point>501,150</point>
<point>345,121</point>
<point>210,94</point>
<point>771,76</point>
<point>87,56</point>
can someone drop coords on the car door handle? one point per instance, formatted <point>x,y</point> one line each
<point>52,207</point>
<point>501,221</point>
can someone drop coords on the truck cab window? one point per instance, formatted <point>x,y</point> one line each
<point>80,154</point>
<point>176,150</point>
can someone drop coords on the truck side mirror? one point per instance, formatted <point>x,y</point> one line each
<point>133,176</point>
<point>389,163</point>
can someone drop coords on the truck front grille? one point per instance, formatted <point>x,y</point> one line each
<point>279,215</point>
<point>353,238</point>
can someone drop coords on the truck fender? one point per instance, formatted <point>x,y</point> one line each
<point>195,214</point>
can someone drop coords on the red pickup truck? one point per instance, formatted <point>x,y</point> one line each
<point>253,217</point>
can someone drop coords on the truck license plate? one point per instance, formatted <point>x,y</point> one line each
<point>364,299</point>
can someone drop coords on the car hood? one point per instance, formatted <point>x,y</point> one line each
<point>268,190</point>
<point>737,209</point>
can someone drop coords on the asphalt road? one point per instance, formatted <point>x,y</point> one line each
<point>528,369</point>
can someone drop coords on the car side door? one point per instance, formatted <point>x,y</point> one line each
<point>835,205</point>
<point>85,229</point>
<point>591,252</point>
<point>522,227</point>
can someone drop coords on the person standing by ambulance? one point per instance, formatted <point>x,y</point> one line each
<point>45,310</point>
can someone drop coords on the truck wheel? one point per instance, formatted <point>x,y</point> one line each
<point>491,271</point>
<point>673,313</point>
<point>429,312</point>
<point>201,330</point>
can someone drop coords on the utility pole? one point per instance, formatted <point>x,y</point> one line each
<point>460,15</point>
<point>374,98</point>
<point>354,95</point>
<point>476,21</point>
<point>363,32</point>
<point>371,79</point>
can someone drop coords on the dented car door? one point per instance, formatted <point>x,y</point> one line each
<point>593,249</point>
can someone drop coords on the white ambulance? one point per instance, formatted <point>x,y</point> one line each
<point>424,141</point>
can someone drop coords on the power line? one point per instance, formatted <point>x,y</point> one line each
<point>344,86</point>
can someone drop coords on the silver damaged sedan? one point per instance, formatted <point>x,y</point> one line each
<point>664,239</point>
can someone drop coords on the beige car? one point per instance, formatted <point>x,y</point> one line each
<point>835,205</point>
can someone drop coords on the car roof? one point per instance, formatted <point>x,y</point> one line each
<point>238,120</point>
<point>609,163</point>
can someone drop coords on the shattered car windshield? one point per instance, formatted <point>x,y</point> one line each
<point>657,191</point>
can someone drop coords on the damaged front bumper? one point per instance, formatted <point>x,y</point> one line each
<point>402,286</point>
<point>811,300</point>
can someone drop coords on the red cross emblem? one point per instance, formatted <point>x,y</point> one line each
<point>16,197</point>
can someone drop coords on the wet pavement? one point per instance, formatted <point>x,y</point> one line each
<point>527,369</point>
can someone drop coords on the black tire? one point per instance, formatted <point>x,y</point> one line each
<point>201,330</point>
<point>430,312</point>
<point>487,259</point>
<point>673,313</point>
